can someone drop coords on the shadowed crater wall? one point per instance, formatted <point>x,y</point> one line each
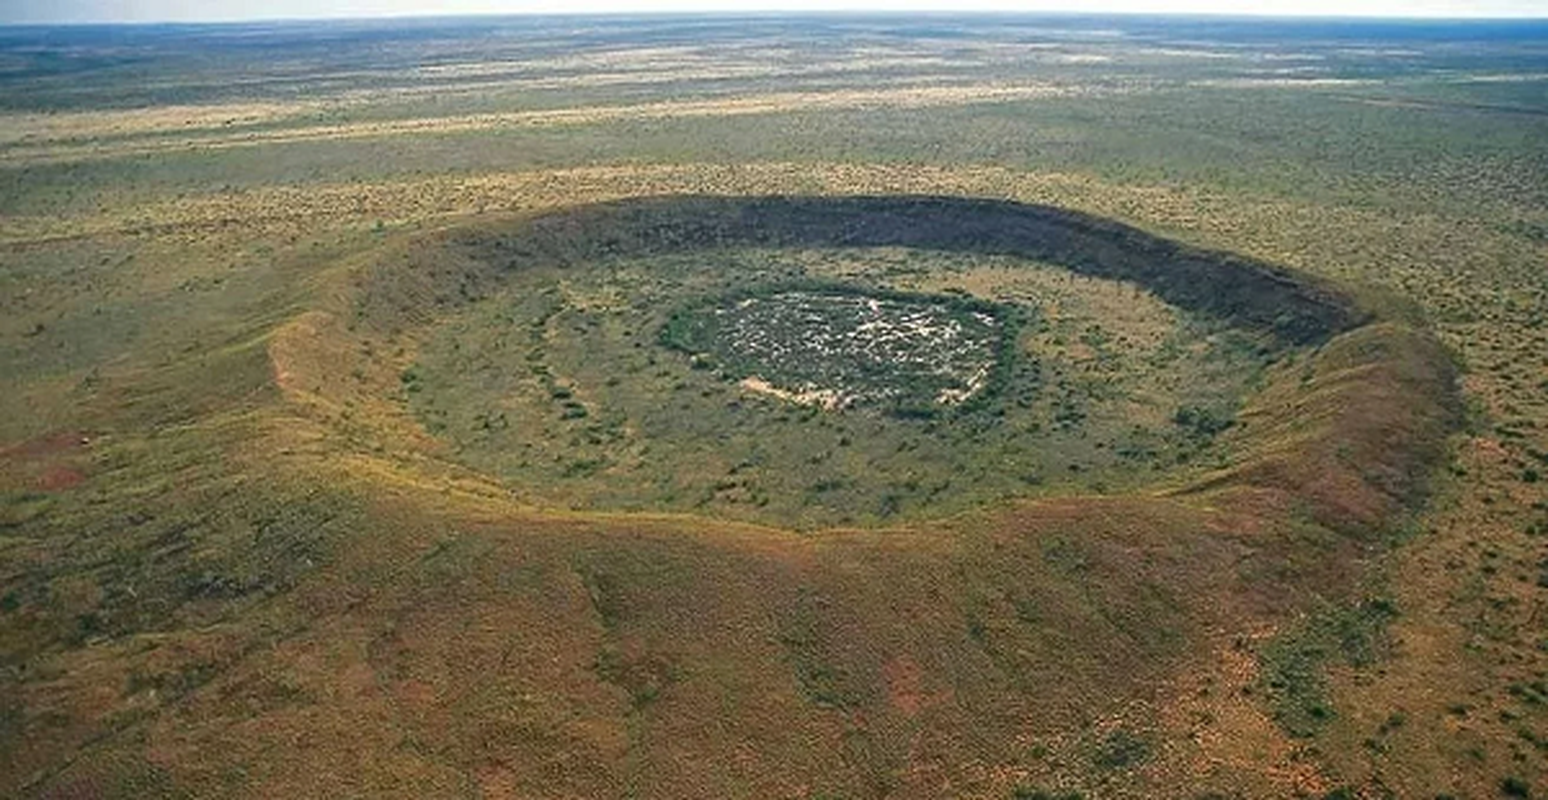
<point>1296,308</point>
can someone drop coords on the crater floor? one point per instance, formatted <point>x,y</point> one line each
<point>841,348</point>
<point>814,387</point>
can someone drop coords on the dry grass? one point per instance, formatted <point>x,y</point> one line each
<point>46,131</point>
<point>25,152</point>
<point>441,638</point>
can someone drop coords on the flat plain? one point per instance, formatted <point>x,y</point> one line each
<point>832,406</point>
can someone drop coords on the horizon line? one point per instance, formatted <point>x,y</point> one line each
<point>788,12</point>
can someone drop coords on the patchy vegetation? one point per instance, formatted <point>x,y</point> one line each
<point>338,431</point>
<point>839,349</point>
<point>1294,664</point>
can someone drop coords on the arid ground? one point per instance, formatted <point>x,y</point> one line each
<point>831,407</point>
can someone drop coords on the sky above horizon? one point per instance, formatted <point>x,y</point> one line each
<point>44,11</point>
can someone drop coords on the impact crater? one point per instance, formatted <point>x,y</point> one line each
<point>817,361</point>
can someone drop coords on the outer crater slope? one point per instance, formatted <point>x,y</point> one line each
<point>1080,642</point>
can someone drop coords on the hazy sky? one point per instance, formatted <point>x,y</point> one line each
<point>188,10</point>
